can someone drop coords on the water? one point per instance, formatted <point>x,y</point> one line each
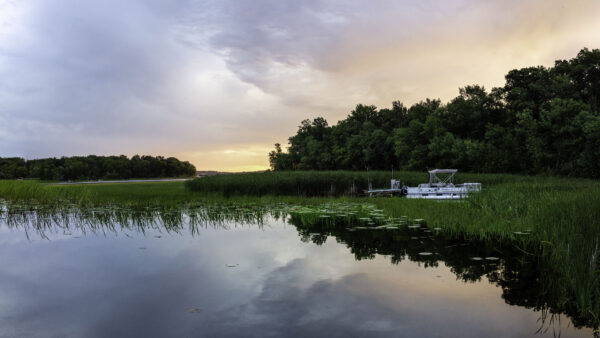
<point>262,276</point>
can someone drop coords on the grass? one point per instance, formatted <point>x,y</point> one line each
<point>133,193</point>
<point>161,194</point>
<point>325,183</point>
<point>37,192</point>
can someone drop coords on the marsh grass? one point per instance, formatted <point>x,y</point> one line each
<point>124,194</point>
<point>37,192</point>
<point>325,183</point>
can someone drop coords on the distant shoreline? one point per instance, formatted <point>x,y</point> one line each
<point>205,173</point>
<point>123,181</point>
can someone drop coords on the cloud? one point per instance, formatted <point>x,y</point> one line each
<point>386,50</point>
<point>294,302</point>
<point>115,77</point>
<point>192,77</point>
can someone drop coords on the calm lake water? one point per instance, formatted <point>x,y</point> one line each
<point>263,280</point>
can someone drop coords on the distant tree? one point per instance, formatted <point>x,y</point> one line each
<point>94,167</point>
<point>278,160</point>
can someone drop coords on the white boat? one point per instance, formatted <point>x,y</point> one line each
<point>439,187</point>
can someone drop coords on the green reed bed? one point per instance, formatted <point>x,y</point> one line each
<point>125,194</point>
<point>35,191</point>
<point>552,208</point>
<point>282,183</point>
<point>162,195</point>
<point>322,183</point>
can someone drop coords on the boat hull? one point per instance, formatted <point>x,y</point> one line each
<point>443,193</point>
<point>437,193</point>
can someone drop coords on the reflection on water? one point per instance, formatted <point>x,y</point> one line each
<point>255,270</point>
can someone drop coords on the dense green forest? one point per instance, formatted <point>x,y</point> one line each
<point>95,167</point>
<point>544,120</point>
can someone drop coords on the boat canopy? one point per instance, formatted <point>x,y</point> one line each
<point>443,171</point>
<point>434,180</point>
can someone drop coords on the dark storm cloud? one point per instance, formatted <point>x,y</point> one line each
<point>255,36</point>
<point>76,63</point>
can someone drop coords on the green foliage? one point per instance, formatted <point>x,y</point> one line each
<point>95,167</point>
<point>544,120</point>
<point>12,167</point>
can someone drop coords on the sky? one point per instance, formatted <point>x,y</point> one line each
<point>217,83</point>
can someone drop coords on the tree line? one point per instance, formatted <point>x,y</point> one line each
<point>95,167</point>
<point>543,120</point>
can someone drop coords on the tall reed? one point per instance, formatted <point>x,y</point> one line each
<point>323,183</point>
